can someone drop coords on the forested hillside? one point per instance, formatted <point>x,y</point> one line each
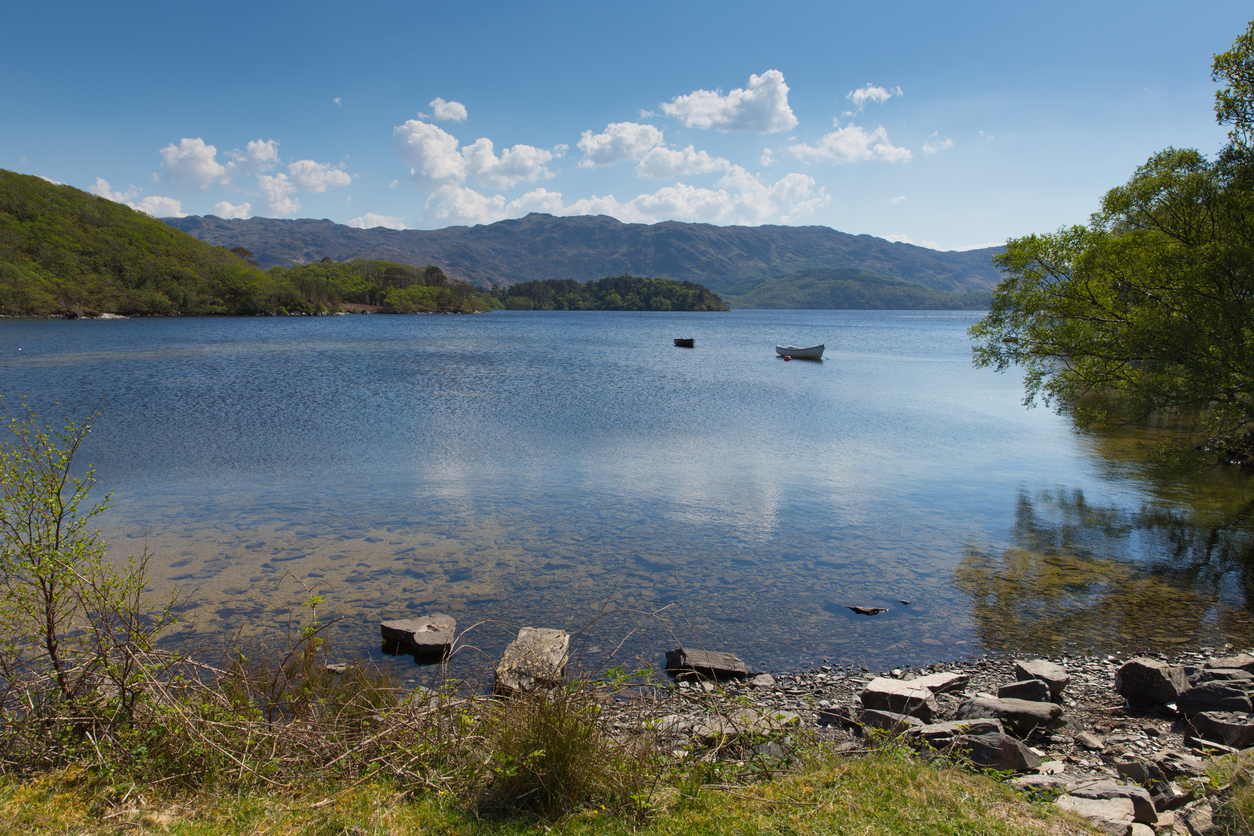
<point>826,289</point>
<point>624,293</point>
<point>66,252</point>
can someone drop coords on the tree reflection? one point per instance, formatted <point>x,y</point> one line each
<point>1097,577</point>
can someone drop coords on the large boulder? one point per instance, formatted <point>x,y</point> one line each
<point>1052,673</point>
<point>1020,717</point>
<point>711,664</point>
<point>429,638</point>
<point>1150,681</point>
<point>1215,695</point>
<point>889,721</point>
<point>1232,728</point>
<point>1104,789</point>
<point>1033,690</point>
<point>535,660</point>
<point>898,697</point>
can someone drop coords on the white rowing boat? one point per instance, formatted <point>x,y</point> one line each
<point>796,352</point>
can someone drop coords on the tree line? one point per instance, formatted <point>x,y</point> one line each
<point>623,293</point>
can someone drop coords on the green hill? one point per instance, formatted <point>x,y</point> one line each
<point>624,293</point>
<point>66,252</point>
<point>846,289</point>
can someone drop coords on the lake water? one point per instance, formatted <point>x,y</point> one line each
<point>576,470</point>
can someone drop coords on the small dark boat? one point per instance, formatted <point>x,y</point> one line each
<point>685,342</point>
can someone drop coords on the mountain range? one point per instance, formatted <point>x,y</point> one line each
<point>539,247</point>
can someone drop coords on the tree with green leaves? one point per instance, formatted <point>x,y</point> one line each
<point>1150,306</point>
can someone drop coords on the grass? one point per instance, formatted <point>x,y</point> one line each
<point>886,793</point>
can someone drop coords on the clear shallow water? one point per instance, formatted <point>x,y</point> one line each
<point>569,468</point>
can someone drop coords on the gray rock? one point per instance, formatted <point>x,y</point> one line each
<point>1143,774</point>
<point>1035,690</point>
<point>1143,803</point>
<point>1242,661</point>
<point>1054,674</point>
<point>1174,764</point>
<point>941,735</point>
<point>763,680</point>
<point>1018,716</point>
<point>533,661</point>
<point>997,750</point>
<point>1043,786</point>
<point>898,697</point>
<point>1214,696</point>
<point>712,664</point>
<point>1150,681</point>
<point>1090,741</point>
<point>1223,675</point>
<point>889,721</point>
<point>1110,815</point>
<point>1200,820</point>
<point>429,638</point>
<point>942,682</point>
<point>1232,728</point>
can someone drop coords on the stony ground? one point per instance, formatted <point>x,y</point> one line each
<point>1100,740</point>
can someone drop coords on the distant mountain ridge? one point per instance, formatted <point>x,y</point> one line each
<point>540,247</point>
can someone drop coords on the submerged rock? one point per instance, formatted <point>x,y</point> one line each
<point>712,664</point>
<point>429,638</point>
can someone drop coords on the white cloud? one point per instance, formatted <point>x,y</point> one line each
<point>852,144</point>
<point>762,107</point>
<point>278,190</point>
<point>935,146</point>
<point>454,204</point>
<point>442,110</point>
<point>436,163</point>
<point>310,176</point>
<point>768,157</point>
<point>431,153</point>
<point>263,155</point>
<point>898,199</point>
<point>227,210</point>
<point>871,93</point>
<point>666,164</point>
<point>905,239</point>
<point>540,200</point>
<point>103,190</point>
<point>160,207</point>
<point>619,142</point>
<point>515,165</point>
<point>191,164</point>
<point>337,101</point>
<point>370,220</point>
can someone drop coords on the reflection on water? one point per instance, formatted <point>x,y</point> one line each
<point>570,469</point>
<point>1099,576</point>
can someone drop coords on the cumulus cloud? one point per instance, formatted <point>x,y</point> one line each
<point>739,197</point>
<point>935,146</point>
<point>442,110</point>
<point>223,209</point>
<point>191,164</point>
<point>762,107</point>
<point>619,142</point>
<point>852,144</point>
<point>310,176</point>
<point>871,93</point>
<point>666,164</point>
<point>436,163</point>
<point>278,191</point>
<point>158,207</point>
<point>370,220</point>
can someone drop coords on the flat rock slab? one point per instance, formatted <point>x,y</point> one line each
<point>1110,815</point>
<point>1235,729</point>
<point>1215,696</point>
<point>944,734</point>
<point>943,682</point>
<point>889,721</point>
<point>1033,690</point>
<point>1242,661</point>
<point>711,664</point>
<point>1100,789</point>
<point>898,697</point>
<point>1050,672</point>
<point>533,661</point>
<point>429,638</point>
<point>1018,716</point>
<point>999,751</point>
<point>1150,681</point>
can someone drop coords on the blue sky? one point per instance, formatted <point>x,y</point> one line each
<point>947,125</point>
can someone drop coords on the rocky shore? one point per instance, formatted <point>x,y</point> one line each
<point>1123,741</point>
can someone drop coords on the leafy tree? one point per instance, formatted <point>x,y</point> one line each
<point>1151,305</point>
